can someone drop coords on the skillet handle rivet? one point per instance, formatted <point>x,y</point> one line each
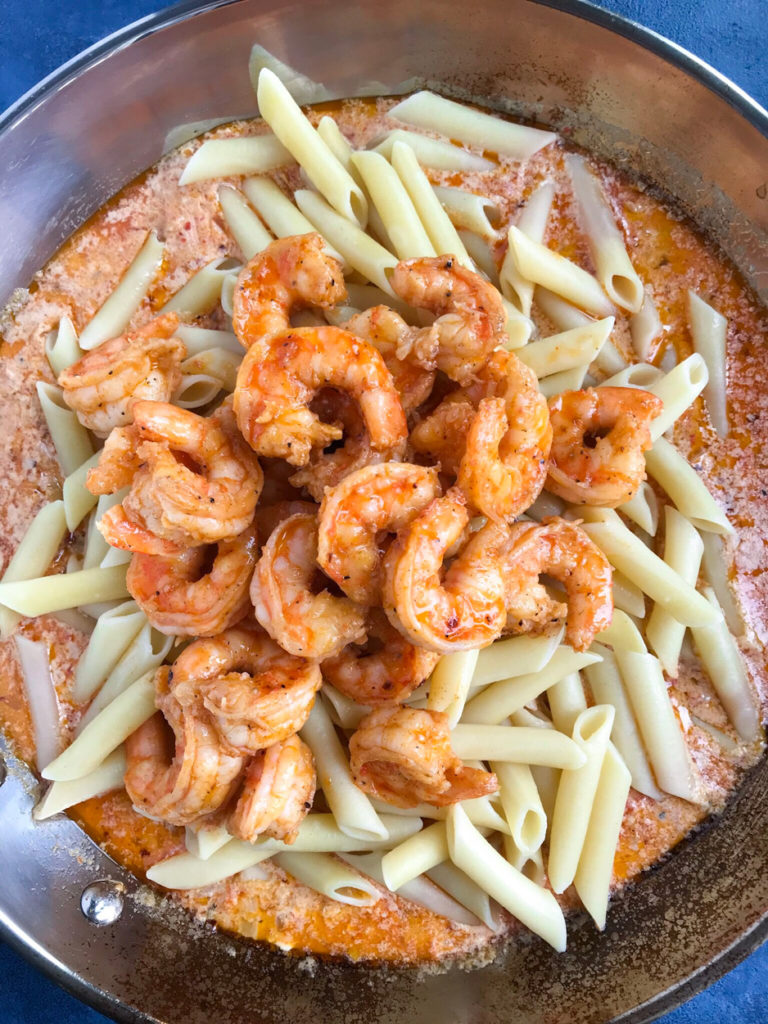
<point>102,902</point>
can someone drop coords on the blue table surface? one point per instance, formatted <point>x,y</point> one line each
<point>38,35</point>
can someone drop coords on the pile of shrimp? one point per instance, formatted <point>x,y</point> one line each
<point>351,513</point>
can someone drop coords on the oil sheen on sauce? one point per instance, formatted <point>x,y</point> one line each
<point>669,255</point>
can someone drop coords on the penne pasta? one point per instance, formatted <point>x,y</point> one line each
<point>202,842</point>
<point>645,327</point>
<point>609,252</point>
<point>595,870</point>
<point>546,505</point>
<point>62,795</point>
<point>480,810</point>
<point>536,263</point>
<point>566,702</point>
<point>470,211</point>
<point>62,347</point>
<point>658,724</point>
<point>517,744</point>
<point>351,808</point>
<point>185,871</point>
<point>576,796</point>
<point>360,251</point>
<point>244,226</point>
<point>482,257</point>
<point>146,652</point>
<point>219,364</point>
<point>474,127</point>
<point>609,360</point>
<point>415,856</point>
<point>78,500</point>
<point>708,331</point>
<point>393,203</point>
<point>607,688</point>
<point>522,805</point>
<point>518,328</point>
<point>443,156</point>
<point>64,590</point>
<point>199,339</point>
<point>95,545</point>
<point>636,375</point>
<point>225,158</point>
<point>34,658</point>
<point>499,700</point>
<point>467,893</point>
<point>678,389</point>
<point>682,553</point>
<point>105,732</point>
<point>450,682</point>
<point>716,572</point>
<point>723,664</point>
<point>345,712</point>
<point>566,351</point>
<point>627,597</point>
<point>70,438</point>
<point>320,833</point>
<point>277,211</point>
<point>33,555</point>
<point>438,225</point>
<point>518,654</point>
<point>331,877</point>
<point>533,223</point>
<point>685,488</point>
<point>285,118</point>
<point>113,633</point>
<point>565,380</point>
<point>645,569</point>
<point>203,290</point>
<point>563,315</point>
<point>114,315</point>
<point>531,904</point>
<point>643,508</point>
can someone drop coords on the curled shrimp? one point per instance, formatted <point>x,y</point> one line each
<point>269,517</point>
<point>470,315</point>
<point>404,757</point>
<point>461,611</point>
<point>255,693</point>
<point>291,273</point>
<point>386,671</point>
<point>305,623</point>
<point>442,435</point>
<point>388,332</point>
<point>278,378</point>
<point>208,497</point>
<point>562,550</point>
<point>354,515</point>
<point>102,386</point>
<point>278,790</point>
<point>189,594</point>
<point>196,780</point>
<point>600,435</point>
<point>327,469</point>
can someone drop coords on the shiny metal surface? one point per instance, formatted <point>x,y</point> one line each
<point>627,95</point>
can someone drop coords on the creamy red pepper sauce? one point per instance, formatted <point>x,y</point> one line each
<point>669,255</point>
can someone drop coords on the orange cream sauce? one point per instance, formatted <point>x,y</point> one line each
<point>667,252</point>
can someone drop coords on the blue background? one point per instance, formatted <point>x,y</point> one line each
<point>38,35</point>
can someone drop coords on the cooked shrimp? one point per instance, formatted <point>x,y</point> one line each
<point>143,364</point>
<point>386,671</point>
<point>353,516</point>
<point>184,595</point>
<point>562,550</point>
<point>442,434</point>
<point>197,779</point>
<point>600,435</point>
<point>277,793</point>
<point>499,479</point>
<point>404,757</point>
<point>184,504</point>
<point>256,694</point>
<point>388,332</point>
<point>328,468</point>
<point>465,609</point>
<point>470,312</point>
<point>305,623</point>
<point>278,378</point>
<point>118,462</point>
<point>291,273</point>
<point>269,517</point>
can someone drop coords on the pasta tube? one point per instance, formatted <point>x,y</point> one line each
<point>685,487</point>
<point>520,745</point>
<point>329,876</point>
<point>522,655</point>
<point>443,156</point>
<point>113,633</point>
<point>246,228</point>
<point>224,158</point>
<point>203,290</point>
<point>64,590</point>
<point>450,682</point>
<point>70,438</point>
<point>567,351</point>
<point>708,330</point>
<point>62,347</point>
<point>34,554</point>
<point>542,266</point>
<point>61,795</point>
<point>533,223</point>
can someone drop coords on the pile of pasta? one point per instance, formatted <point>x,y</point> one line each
<point>565,732</point>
